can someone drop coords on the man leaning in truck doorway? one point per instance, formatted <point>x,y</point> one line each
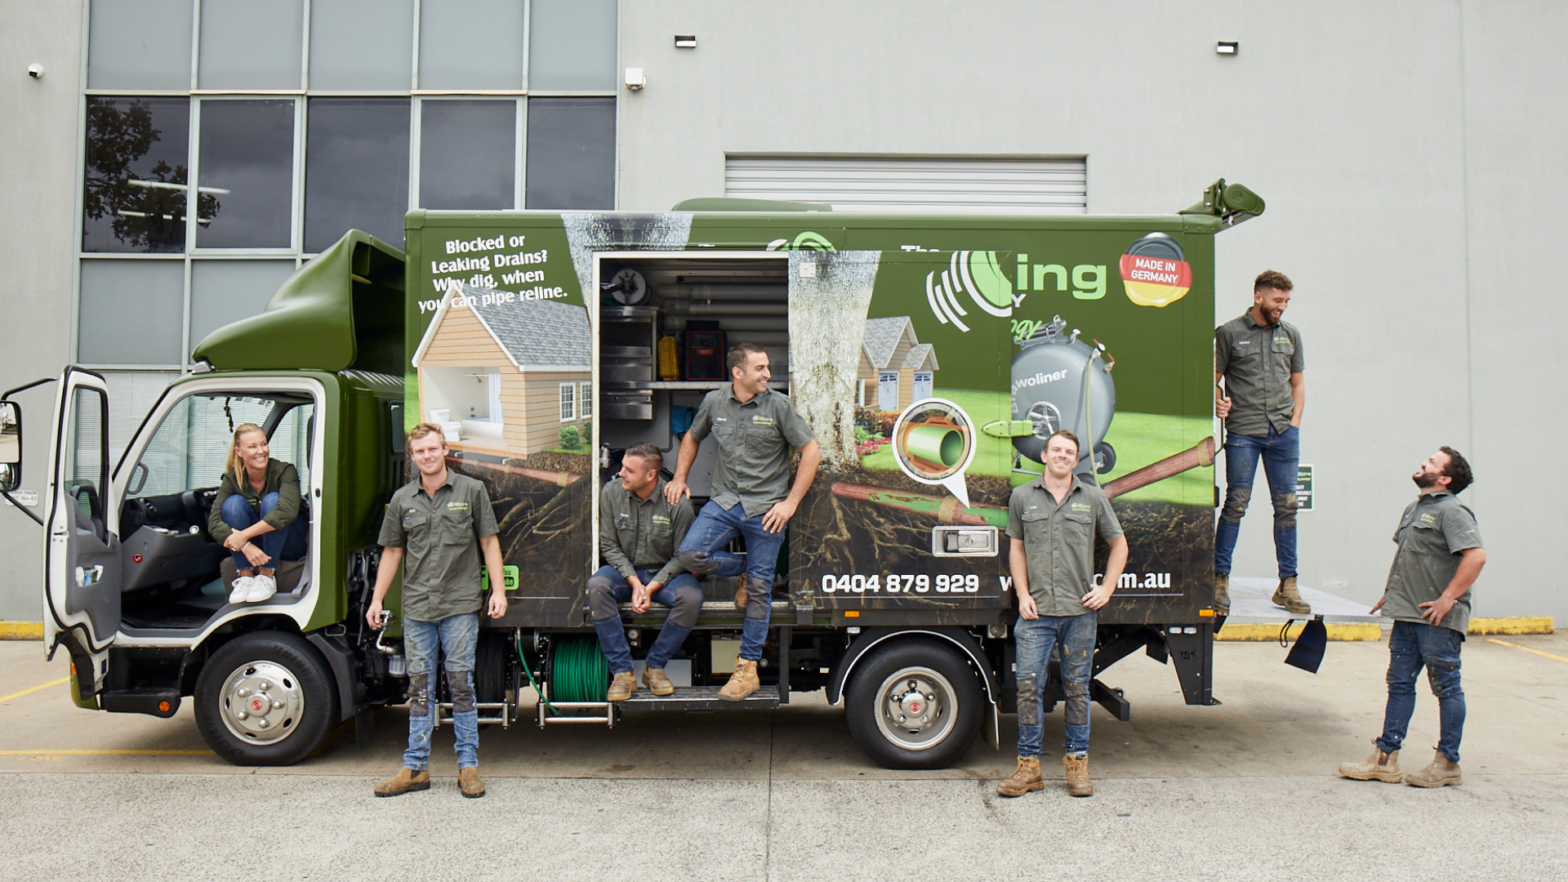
<point>1259,358</point>
<point>1428,597</point>
<point>752,495</point>
<point>437,525</point>
<point>1052,524</point>
<point>639,531</point>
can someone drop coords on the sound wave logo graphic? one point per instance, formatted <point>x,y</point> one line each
<point>976,274</point>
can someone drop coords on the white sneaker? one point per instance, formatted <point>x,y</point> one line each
<point>241,591</point>
<point>262,588</point>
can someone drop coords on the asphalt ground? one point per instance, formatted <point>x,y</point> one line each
<point>1246,790</point>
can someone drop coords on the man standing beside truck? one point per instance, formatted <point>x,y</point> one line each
<point>639,531</point>
<point>1052,524</point>
<point>1428,597</point>
<point>437,525</point>
<point>1260,360</point>
<point>752,495</point>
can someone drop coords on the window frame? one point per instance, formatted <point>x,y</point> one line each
<point>568,401</point>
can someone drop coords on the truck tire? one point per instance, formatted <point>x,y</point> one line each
<point>915,704</point>
<point>265,699</point>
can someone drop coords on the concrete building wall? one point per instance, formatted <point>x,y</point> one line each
<point>1405,150</point>
<point>39,145</point>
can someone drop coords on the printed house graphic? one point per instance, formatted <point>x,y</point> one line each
<point>896,369</point>
<point>506,378</point>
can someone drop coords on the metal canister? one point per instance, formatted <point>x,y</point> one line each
<point>1059,383</point>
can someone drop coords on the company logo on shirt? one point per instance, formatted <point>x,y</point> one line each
<point>661,519</point>
<point>761,421</point>
<point>1080,506</point>
<point>1427,518</point>
<point>457,506</point>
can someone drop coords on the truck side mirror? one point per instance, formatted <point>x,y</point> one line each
<point>10,445</point>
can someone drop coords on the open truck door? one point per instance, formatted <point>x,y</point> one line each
<point>82,559</point>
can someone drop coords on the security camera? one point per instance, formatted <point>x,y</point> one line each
<point>36,71</point>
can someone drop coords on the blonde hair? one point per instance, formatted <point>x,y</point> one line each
<point>422,430</point>
<point>234,464</point>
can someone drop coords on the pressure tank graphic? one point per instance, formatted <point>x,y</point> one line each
<point>1061,382</point>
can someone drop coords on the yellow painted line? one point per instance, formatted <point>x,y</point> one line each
<point>1513,625</point>
<point>1526,649</point>
<point>21,630</point>
<point>105,752</point>
<point>1250,632</point>
<point>32,689</point>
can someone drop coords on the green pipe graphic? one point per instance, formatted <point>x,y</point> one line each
<point>937,444</point>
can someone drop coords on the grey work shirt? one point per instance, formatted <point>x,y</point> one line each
<point>1059,541</point>
<point>642,534</point>
<point>1257,361</point>
<point>754,440</point>
<point>440,536</point>
<point>1432,532</point>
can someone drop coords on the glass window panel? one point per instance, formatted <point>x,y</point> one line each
<point>133,193</point>
<point>131,312</point>
<point>247,169</point>
<point>571,153</point>
<point>190,447</point>
<point>224,291</point>
<point>571,45</point>
<point>356,169</point>
<point>131,395</point>
<point>353,46</point>
<point>139,44</point>
<point>470,44</point>
<point>468,154</point>
<point>251,44</point>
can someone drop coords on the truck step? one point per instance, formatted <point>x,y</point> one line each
<point>699,698</point>
<point>490,713</point>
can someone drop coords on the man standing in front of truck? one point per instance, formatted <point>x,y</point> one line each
<point>437,524</point>
<point>1052,524</point>
<point>755,428</point>
<point>1259,358</point>
<point>639,531</point>
<point>1428,597</point>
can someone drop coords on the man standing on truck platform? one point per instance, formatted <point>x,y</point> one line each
<point>1428,597</point>
<point>437,524</point>
<point>639,531</point>
<point>1260,360</point>
<point>1052,524</point>
<point>755,427</point>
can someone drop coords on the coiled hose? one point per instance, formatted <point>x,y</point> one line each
<point>578,672</point>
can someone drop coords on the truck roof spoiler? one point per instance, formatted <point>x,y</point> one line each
<point>728,203</point>
<point>1231,203</point>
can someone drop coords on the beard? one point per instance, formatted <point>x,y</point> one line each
<point>1424,479</point>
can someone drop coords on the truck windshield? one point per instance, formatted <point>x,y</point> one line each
<point>192,443</point>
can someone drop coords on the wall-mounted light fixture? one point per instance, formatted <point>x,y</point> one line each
<point>685,41</point>
<point>1227,47</point>
<point>635,79</point>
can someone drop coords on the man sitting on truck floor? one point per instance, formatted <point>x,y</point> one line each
<point>1428,597</point>
<point>755,427</point>
<point>639,531</point>
<point>1259,357</point>
<point>1052,524</point>
<point>441,520</point>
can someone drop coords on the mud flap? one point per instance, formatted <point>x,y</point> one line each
<point>991,726</point>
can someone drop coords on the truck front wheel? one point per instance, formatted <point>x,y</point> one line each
<point>265,699</point>
<point>914,705</point>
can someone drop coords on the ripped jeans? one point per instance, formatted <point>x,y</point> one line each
<point>1075,635</point>
<point>458,635</point>
<point>1410,646</point>
<point>1281,455</point>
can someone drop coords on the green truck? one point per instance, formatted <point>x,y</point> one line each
<point>931,355</point>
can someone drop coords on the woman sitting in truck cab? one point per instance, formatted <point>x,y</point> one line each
<point>256,515</point>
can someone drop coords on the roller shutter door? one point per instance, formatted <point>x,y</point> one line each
<point>935,185</point>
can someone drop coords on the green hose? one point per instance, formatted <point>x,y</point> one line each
<point>578,672</point>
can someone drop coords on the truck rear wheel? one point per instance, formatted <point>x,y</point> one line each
<point>914,705</point>
<point>265,699</point>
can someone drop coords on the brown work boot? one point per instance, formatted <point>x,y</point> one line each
<point>1380,766</point>
<point>1287,596</point>
<point>1441,773</point>
<point>405,781</point>
<point>622,687</point>
<point>1025,778</point>
<point>1222,594</point>
<point>741,596</point>
<point>743,682</point>
<point>1078,775</point>
<point>656,682</point>
<point>468,782</point>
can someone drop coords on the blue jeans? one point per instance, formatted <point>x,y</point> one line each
<point>1075,635</point>
<point>1281,454</point>
<point>1410,646</point>
<point>608,588</point>
<point>279,545</point>
<point>457,635</point>
<point>702,553</point>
